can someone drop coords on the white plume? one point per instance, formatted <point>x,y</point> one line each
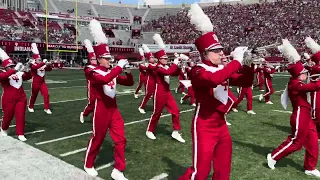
<point>141,52</point>
<point>88,45</point>
<point>157,38</point>
<point>145,48</point>
<point>34,48</point>
<point>184,57</point>
<point>312,45</point>
<point>200,19</point>
<point>306,55</point>
<point>290,52</point>
<point>3,55</point>
<point>97,32</point>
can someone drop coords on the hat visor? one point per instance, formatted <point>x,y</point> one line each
<point>304,71</point>
<point>164,57</point>
<point>213,47</point>
<point>106,56</point>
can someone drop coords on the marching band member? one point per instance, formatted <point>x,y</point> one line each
<point>259,77</point>
<point>14,99</point>
<point>246,89</point>
<point>87,70</point>
<point>303,129</point>
<point>38,71</point>
<point>190,93</point>
<point>268,72</point>
<point>162,95</point>
<point>211,139</point>
<point>181,76</point>
<point>314,71</point>
<point>151,80</point>
<point>142,75</point>
<point>106,114</point>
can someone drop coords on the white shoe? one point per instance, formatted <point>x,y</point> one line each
<point>176,135</point>
<point>176,90</point>
<point>228,124</point>
<point>230,87</point>
<point>91,171</point>
<point>194,104</point>
<point>22,138</point>
<point>184,93</point>
<point>4,133</point>
<point>48,111</point>
<point>81,117</point>
<point>181,100</point>
<point>315,173</point>
<point>251,112</point>
<point>261,90</point>
<point>234,110</point>
<point>141,110</point>
<point>136,96</point>
<point>238,90</point>
<point>271,162</point>
<point>30,110</point>
<point>260,97</point>
<point>117,175</point>
<point>150,135</point>
<point>269,102</point>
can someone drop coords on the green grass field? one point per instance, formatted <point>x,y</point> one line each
<point>253,135</point>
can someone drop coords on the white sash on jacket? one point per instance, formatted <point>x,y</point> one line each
<point>15,80</point>
<point>41,71</point>
<point>166,78</point>
<point>110,88</point>
<point>219,92</point>
<point>285,98</point>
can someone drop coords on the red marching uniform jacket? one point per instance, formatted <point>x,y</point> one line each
<point>104,84</point>
<point>38,72</point>
<point>143,72</point>
<point>268,72</point>
<point>163,74</point>
<point>12,84</point>
<point>87,71</point>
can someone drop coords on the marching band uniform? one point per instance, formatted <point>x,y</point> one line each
<point>315,95</point>
<point>90,91</point>
<point>181,76</point>
<point>163,96</point>
<point>142,75</point>
<point>268,75</point>
<point>14,99</point>
<point>151,79</point>
<point>303,129</point>
<point>246,89</point>
<point>210,135</point>
<point>106,113</point>
<point>38,71</point>
<point>190,93</point>
<point>259,77</point>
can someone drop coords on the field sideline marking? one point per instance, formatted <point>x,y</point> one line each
<point>33,132</point>
<point>160,176</point>
<point>89,132</point>
<point>105,166</point>
<point>289,112</point>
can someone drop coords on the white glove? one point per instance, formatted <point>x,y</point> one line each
<point>123,62</point>
<point>238,53</point>
<point>45,61</point>
<point>18,67</point>
<point>176,61</point>
<point>184,57</point>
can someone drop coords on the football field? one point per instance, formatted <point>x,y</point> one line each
<point>63,136</point>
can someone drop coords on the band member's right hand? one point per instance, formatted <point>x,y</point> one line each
<point>123,62</point>
<point>238,53</point>
<point>18,67</point>
<point>176,61</point>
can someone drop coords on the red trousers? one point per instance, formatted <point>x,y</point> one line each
<point>244,91</point>
<point>269,89</point>
<point>180,86</point>
<point>304,134</point>
<point>142,81</point>
<point>189,95</point>
<point>17,108</point>
<point>259,82</point>
<point>150,88</point>
<point>105,119</point>
<point>211,145</point>
<point>162,100</point>
<point>315,101</point>
<point>34,93</point>
<point>90,107</point>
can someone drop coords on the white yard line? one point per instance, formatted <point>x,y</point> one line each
<point>33,132</point>
<point>89,132</point>
<point>105,166</point>
<point>12,126</point>
<point>263,93</point>
<point>160,176</point>
<point>289,112</point>
<point>73,152</point>
<point>68,87</point>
